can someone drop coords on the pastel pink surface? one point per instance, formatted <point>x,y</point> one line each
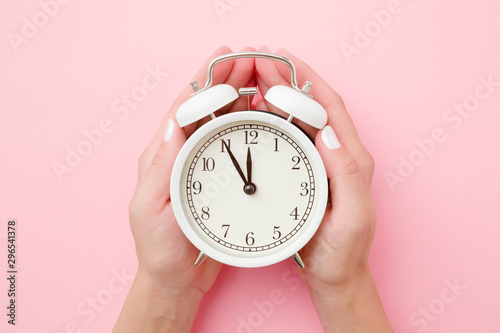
<point>437,223</point>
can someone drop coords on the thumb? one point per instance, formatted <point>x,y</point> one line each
<point>155,187</point>
<point>348,188</point>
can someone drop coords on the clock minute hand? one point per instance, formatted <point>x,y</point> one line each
<point>235,162</point>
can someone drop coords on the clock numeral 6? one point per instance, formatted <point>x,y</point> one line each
<point>205,215</point>
<point>249,239</point>
<point>197,187</point>
<point>225,226</point>
<point>296,160</point>
<point>253,137</point>
<point>208,164</point>
<point>294,214</point>
<point>277,233</point>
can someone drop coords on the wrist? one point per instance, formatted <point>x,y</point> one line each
<point>171,307</point>
<point>353,306</point>
<point>155,308</point>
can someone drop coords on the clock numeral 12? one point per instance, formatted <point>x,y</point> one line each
<point>253,136</point>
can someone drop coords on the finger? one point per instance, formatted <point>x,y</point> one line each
<point>240,75</point>
<point>267,75</point>
<point>238,105</point>
<point>243,102</point>
<point>220,73</point>
<point>350,191</point>
<point>154,190</point>
<point>326,96</point>
<point>219,76</point>
<point>338,117</point>
<point>261,105</point>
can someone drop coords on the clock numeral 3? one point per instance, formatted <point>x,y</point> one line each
<point>294,214</point>
<point>205,215</point>
<point>208,164</point>
<point>277,233</point>
<point>249,239</point>
<point>225,226</point>
<point>296,160</point>
<point>305,190</point>
<point>197,187</point>
<point>253,137</point>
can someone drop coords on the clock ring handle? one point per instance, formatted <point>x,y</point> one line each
<point>270,56</point>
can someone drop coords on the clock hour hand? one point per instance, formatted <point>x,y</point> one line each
<point>235,162</point>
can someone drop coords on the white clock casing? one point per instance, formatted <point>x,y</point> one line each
<point>230,255</point>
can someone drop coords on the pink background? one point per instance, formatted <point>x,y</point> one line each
<point>438,224</point>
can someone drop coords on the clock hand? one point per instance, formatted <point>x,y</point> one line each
<point>235,162</point>
<point>249,187</point>
<point>249,166</point>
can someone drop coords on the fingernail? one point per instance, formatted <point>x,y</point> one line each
<point>329,138</point>
<point>269,50</point>
<point>169,130</point>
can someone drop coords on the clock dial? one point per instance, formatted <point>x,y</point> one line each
<point>248,188</point>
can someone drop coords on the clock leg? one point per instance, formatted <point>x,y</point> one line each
<point>201,258</point>
<point>298,260</point>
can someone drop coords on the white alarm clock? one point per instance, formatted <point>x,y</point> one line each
<point>249,188</point>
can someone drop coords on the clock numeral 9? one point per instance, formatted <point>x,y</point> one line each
<point>305,190</point>
<point>208,164</point>
<point>294,214</point>
<point>253,137</point>
<point>197,187</point>
<point>296,160</point>
<point>205,215</point>
<point>249,239</point>
<point>277,233</point>
<point>225,226</point>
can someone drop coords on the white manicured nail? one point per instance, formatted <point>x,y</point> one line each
<point>329,138</point>
<point>169,130</point>
<point>269,50</point>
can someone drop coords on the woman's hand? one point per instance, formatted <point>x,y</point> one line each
<point>337,271</point>
<point>168,287</point>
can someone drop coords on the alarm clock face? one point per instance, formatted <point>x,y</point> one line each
<point>249,189</point>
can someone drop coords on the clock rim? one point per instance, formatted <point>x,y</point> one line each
<point>321,189</point>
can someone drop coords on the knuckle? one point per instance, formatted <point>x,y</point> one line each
<point>368,163</point>
<point>133,206</point>
<point>161,156</point>
<point>350,168</point>
<point>335,99</point>
<point>143,159</point>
